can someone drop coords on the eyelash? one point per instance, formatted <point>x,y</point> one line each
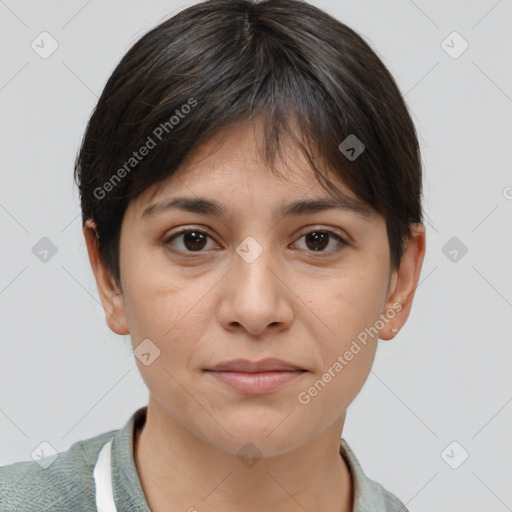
<point>167,240</point>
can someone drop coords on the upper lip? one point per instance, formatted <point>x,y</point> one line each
<point>264,365</point>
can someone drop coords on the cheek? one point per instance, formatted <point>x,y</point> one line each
<point>345,310</point>
<point>345,306</point>
<point>170,318</point>
<point>347,353</point>
<point>169,310</point>
<point>155,295</point>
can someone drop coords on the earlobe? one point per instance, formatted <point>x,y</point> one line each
<point>116,318</point>
<point>111,297</point>
<point>405,282</point>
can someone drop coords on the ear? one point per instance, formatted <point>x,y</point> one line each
<point>404,282</point>
<point>111,297</point>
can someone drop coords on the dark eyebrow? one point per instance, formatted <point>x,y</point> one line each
<point>300,207</point>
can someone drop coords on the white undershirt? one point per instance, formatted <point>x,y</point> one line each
<point>103,480</point>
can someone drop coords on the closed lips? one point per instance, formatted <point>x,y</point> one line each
<point>247,366</point>
<point>255,377</point>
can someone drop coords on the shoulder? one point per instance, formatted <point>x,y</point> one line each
<point>369,495</point>
<point>63,481</point>
<point>382,499</point>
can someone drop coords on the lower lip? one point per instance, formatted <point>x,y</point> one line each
<point>256,383</point>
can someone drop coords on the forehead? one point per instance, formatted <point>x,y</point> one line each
<point>230,164</point>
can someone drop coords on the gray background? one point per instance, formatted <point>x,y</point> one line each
<point>446,376</point>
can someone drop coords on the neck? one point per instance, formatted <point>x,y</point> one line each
<point>179,471</point>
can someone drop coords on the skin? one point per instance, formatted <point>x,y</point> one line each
<point>292,302</point>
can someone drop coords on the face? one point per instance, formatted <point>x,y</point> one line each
<point>253,283</point>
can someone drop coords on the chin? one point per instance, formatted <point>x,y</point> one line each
<point>253,436</point>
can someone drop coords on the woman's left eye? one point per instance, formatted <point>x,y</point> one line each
<point>318,240</point>
<point>195,240</point>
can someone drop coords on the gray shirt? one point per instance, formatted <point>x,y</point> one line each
<point>68,484</point>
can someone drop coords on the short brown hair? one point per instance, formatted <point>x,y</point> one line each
<point>222,62</point>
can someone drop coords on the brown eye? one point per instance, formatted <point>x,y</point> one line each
<point>319,240</point>
<point>192,240</point>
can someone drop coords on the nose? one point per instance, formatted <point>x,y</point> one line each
<point>255,295</point>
